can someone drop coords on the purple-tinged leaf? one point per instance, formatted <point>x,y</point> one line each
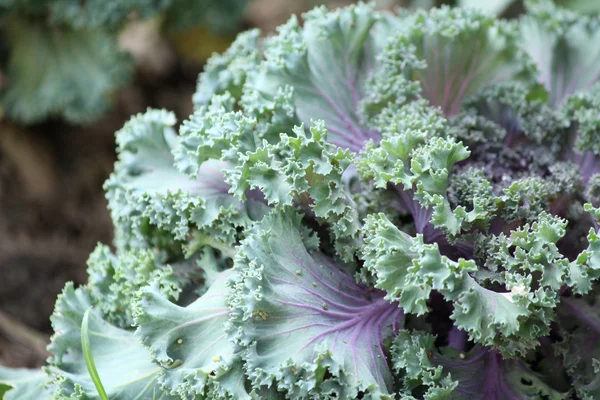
<point>479,374</point>
<point>308,326</point>
<point>327,62</point>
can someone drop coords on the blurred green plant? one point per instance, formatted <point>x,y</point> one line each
<point>63,58</point>
<point>498,7</point>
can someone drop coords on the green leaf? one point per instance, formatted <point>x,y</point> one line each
<point>418,159</point>
<point>404,129</point>
<point>56,71</point>
<point>515,107</point>
<point>220,16</point>
<point>95,13</point>
<point>557,40</point>
<point>580,109</point>
<point>406,268</point>
<point>452,53</point>
<point>191,344</point>
<point>151,200</point>
<point>525,199</point>
<point>123,363</point>
<point>409,270</point>
<point>115,280</point>
<point>579,322</point>
<point>492,7</point>
<point>22,383</point>
<point>308,327</point>
<point>303,168</point>
<point>216,132</point>
<point>228,72</point>
<point>585,269</point>
<point>327,62</point>
<point>451,374</point>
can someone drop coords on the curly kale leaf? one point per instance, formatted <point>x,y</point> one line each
<point>153,202</point>
<point>579,321</point>
<point>448,373</point>
<point>325,63</point>
<point>123,363</point>
<point>308,328</point>
<point>115,280</point>
<point>452,53</point>
<point>529,262</point>
<point>556,40</point>
<point>23,383</point>
<point>190,343</point>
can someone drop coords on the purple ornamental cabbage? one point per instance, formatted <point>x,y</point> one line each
<point>364,205</point>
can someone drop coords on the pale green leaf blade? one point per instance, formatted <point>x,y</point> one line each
<point>308,327</point>
<point>191,343</point>
<point>123,363</point>
<point>22,383</point>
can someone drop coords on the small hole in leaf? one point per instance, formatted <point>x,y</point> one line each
<point>526,382</point>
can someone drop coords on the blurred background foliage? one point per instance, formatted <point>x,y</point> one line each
<point>71,73</point>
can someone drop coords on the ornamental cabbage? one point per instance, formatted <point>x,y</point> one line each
<point>364,205</point>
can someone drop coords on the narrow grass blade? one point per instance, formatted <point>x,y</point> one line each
<point>89,358</point>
